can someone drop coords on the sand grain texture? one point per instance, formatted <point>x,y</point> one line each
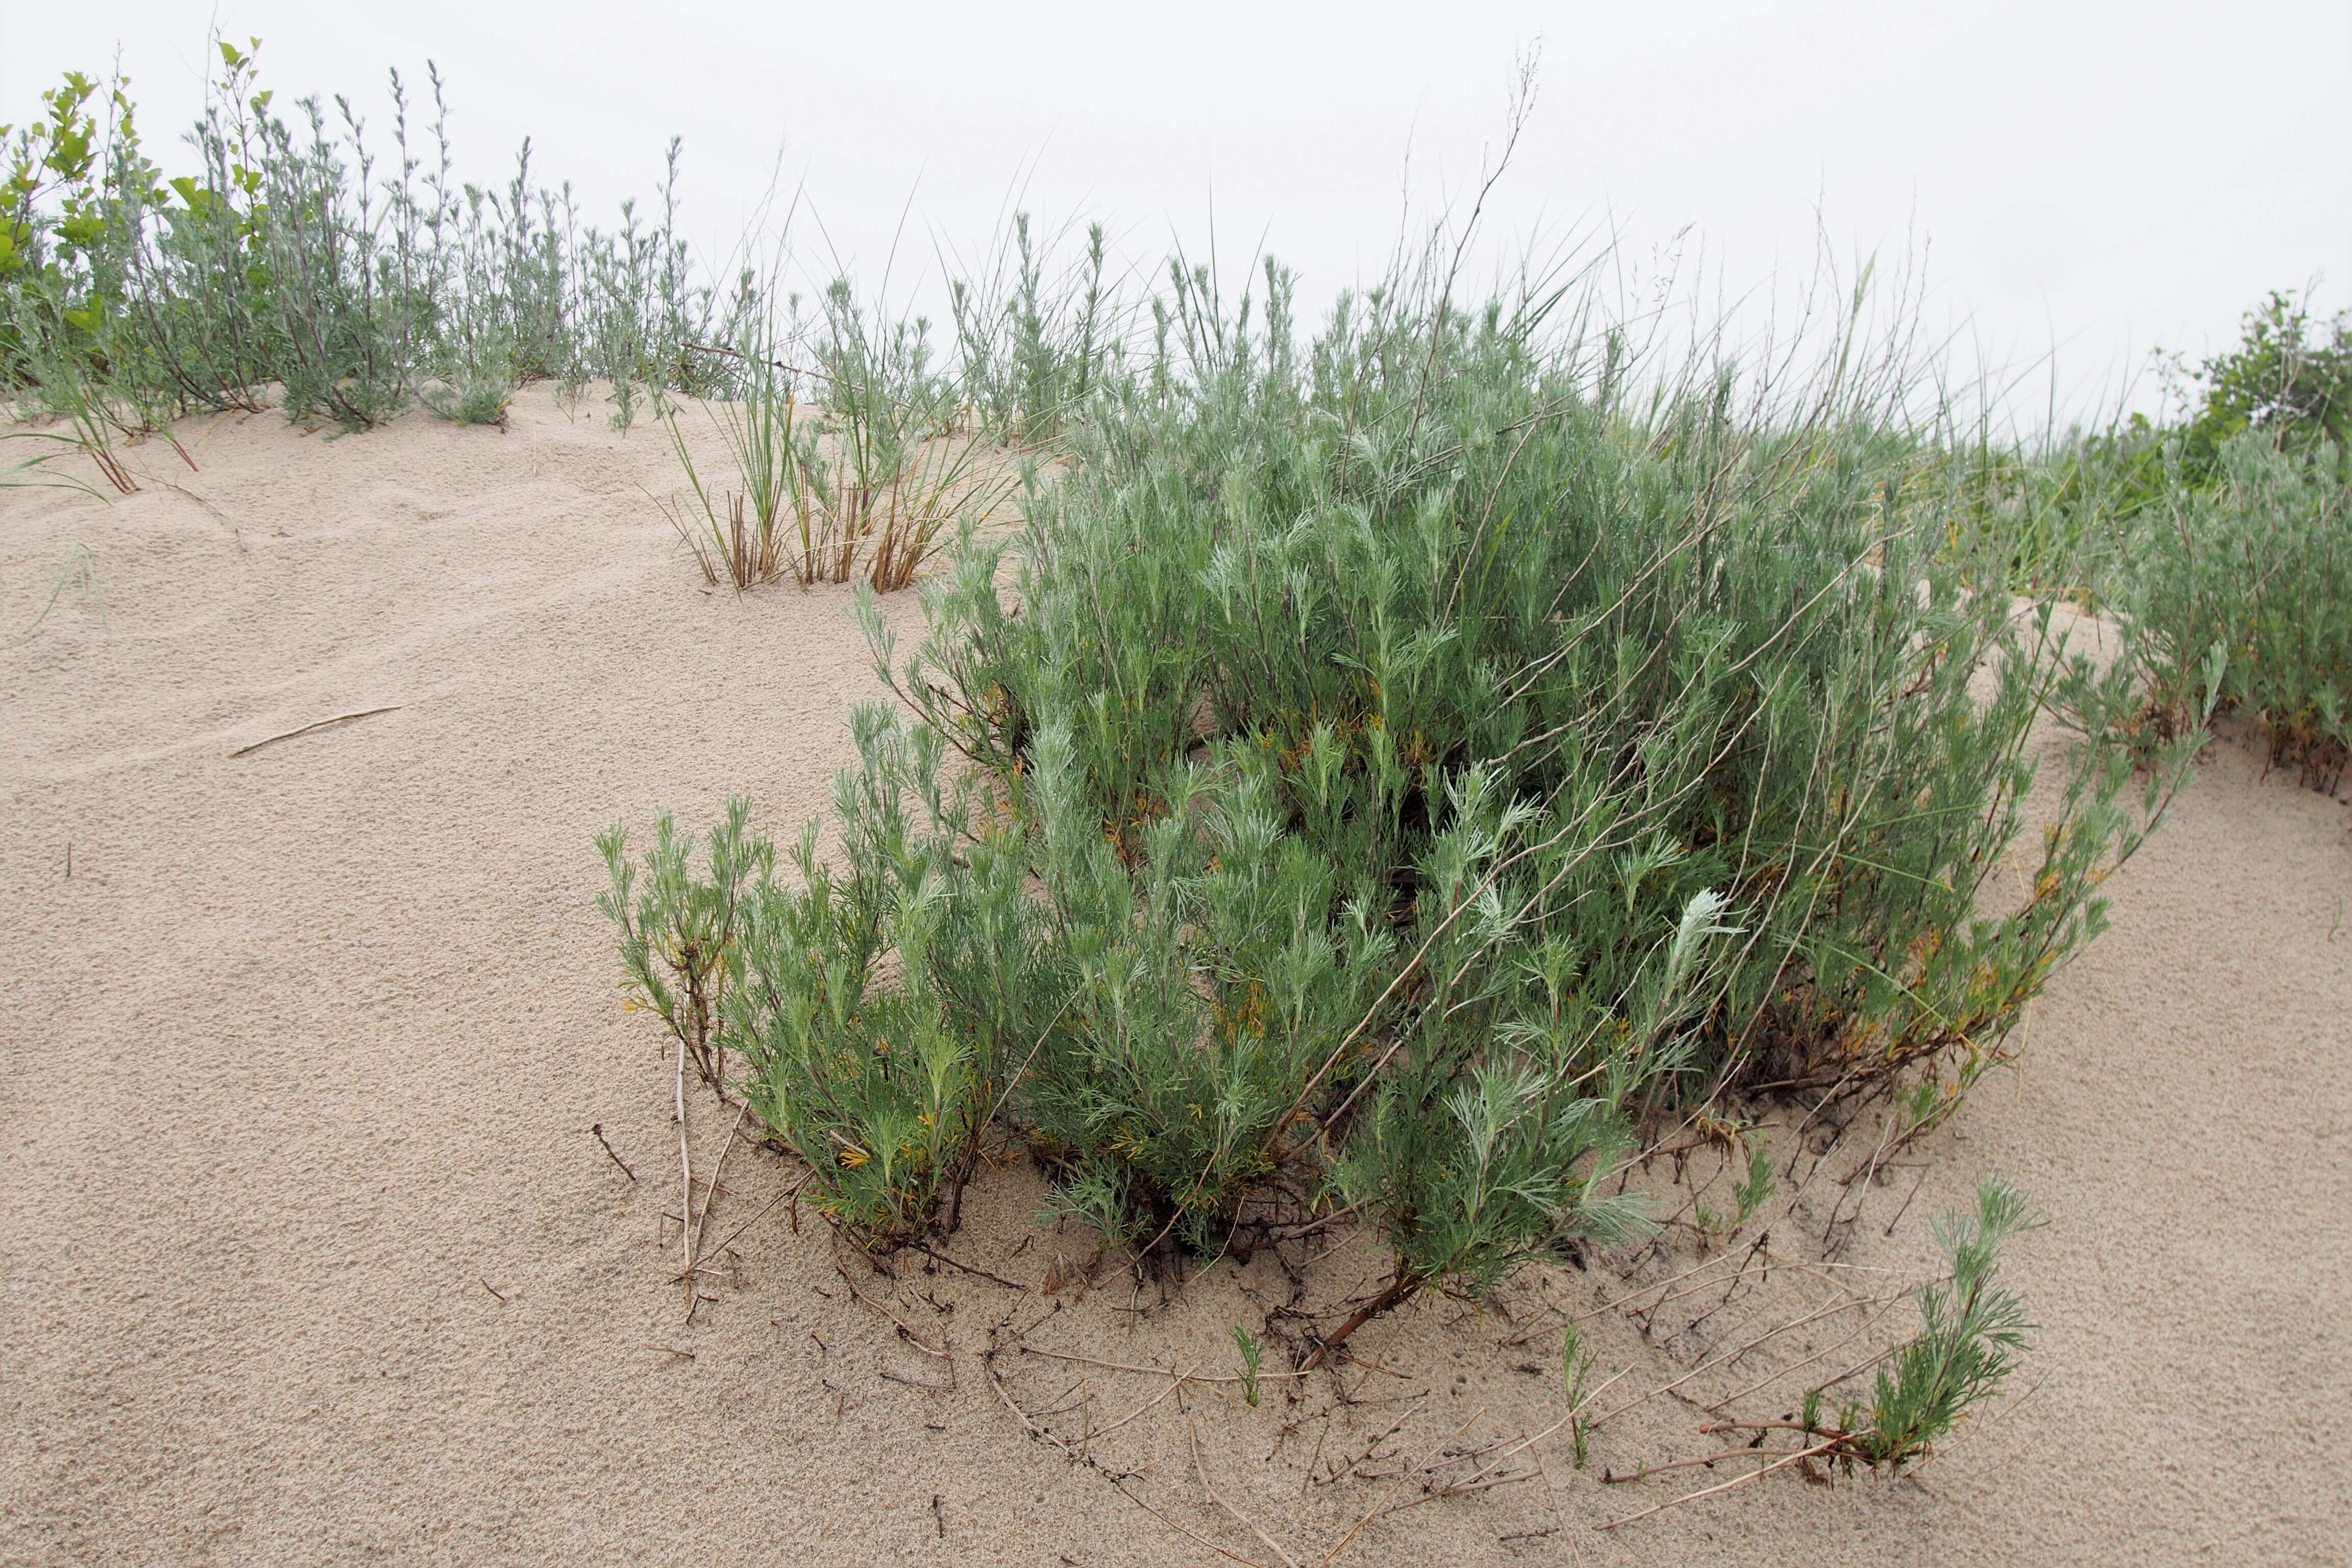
<point>308,1256</point>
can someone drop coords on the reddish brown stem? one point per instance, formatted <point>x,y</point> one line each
<point>1405,1285</point>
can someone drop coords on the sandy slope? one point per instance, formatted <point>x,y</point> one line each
<point>307,1255</point>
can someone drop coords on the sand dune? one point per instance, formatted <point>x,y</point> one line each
<point>308,1254</point>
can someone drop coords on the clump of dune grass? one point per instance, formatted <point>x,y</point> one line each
<point>761,528</point>
<point>862,481</point>
<point>890,469</point>
<point>475,399</point>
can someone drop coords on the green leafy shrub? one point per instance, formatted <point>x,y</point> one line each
<point>884,1001</point>
<point>2242,589</point>
<point>2289,381</point>
<point>2056,512</point>
<point>1402,770</point>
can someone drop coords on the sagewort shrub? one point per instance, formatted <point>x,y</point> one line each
<point>1408,770</point>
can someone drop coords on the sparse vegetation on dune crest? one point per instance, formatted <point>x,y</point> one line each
<point>300,261</point>
<point>345,267</point>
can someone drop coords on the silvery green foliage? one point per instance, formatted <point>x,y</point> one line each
<point>2241,592</point>
<point>679,925</point>
<point>1401,769</point>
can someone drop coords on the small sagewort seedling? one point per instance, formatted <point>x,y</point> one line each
<point>1757,1186</point>
<point>1576,1366</point>
<point>1251,1349</point>
<point>1972,1333</point>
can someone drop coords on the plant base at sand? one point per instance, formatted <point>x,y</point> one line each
<point>1972,1335</point>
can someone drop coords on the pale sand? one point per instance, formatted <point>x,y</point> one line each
<point>301,1060</point>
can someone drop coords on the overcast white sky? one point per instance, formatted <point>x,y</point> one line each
<point>2096,177</point>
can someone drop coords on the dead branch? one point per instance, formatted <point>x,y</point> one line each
<point>1149,1370</point>
<point>1768,1381</point>
<point>1380,1507</point>
<point>1611,1477</point>
<point>1239,1518</point>
<point>1457,1488</point>
<point>1369,1449</point>
<point>1041,1434</point>
<point>791,1192</point>
<point>1729,1355</point>
<point>905,1330</point>
<point>599,1131</point>
<point>1156,1400</point>
<point>968,1269</point>
<point>684,1180</point>
<point>320,724</point>
<point>1400,1288</point>
<point>1789,1458</point>
<point>947,1387</point>
<point>712,1189</point>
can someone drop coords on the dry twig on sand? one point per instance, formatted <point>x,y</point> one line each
<point>789,1192</point>
<point>1779,1459</point>
<point>1735,1353</point>
<point>968,1268</point>
<point>598,1129</point>
<point>1026,1349</point>
<point>905,1330</point>
<point>1201,1470</point>
<point>320,724</point>
<point>712,1189</point>
<point>685,1182</point>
